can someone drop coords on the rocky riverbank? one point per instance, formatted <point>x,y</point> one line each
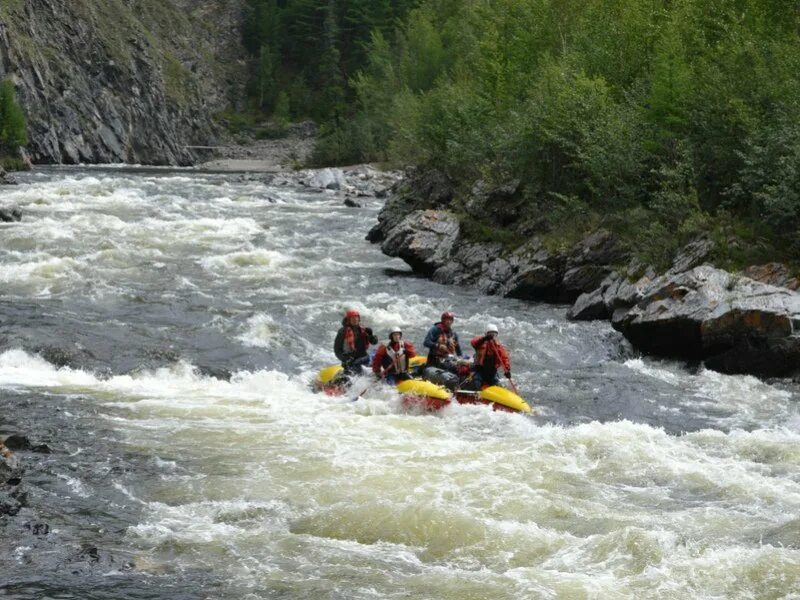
<point>747,322</point>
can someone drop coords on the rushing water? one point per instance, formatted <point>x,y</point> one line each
<point>638,478</point>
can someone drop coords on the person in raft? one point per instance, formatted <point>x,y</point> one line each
<point>352,342</point>
<point>391,359</point>
<point>442,341</point>
<point>490,355</point>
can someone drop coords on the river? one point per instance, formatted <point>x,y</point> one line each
<point>638,478</point>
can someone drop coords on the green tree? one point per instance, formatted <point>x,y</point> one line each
<point>331,78</point>
<point>13,127</point>
<point>265,76</point>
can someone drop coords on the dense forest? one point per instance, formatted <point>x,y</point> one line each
<point>659,118</point>
<point>304,52</point>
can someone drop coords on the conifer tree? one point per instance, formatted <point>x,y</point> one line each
<point>13,128</point>
<point>330,74</point>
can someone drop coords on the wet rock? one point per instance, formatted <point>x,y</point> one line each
<point>349,202</point>
<point>10,215</point>
<point>9,504</point>
<point>735,324</point>
<point>16,442</point>
<point>589,307</point>
<point>533,282</point>
<point>424,239</point>
<point>38,528</point>
<point>214,372</point>
<point>12,494</point>
<point>6,178</point>
<point>166,355</point>
<point>583,279</point>
<point>90,553</point>
<point>776,274</point>
<point>59,356</point>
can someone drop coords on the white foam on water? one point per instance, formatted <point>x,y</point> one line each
<point>532,505</point>
<point>262,332</point>
<point>252,263</point>
<point>746,399</point>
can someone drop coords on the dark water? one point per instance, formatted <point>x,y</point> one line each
<point>146,291</point>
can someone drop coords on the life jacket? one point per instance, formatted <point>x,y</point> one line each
<point>393,360</point>
<point>490,354</point>
<point>446,338</point>
<point>350,342</point>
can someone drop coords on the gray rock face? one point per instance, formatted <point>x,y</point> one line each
<point>529,272</point>
<point>735,324</point>
<point>419,190</point>
<point>692,255</point>
<point>615,295</point>
<point>424,239</point>
<point>499,203</point>
<point>128,82</point>
<point>776,274</point>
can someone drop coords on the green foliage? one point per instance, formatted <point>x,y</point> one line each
<point>13,127</point>
<point>310,48</point>
<point>282,113</point>
<point>655,117</point>
<point>769,184</point>
<point>354,141</point>
<point>663,119</point>
<point>480,231</point>
<point>237,122</point>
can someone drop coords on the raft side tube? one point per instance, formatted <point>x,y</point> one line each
<point>421,388</point>
<point>504,397</point>
<point>328,374</point>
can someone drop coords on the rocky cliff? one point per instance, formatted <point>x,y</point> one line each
<point>736,323</point>
<point>121,80</point>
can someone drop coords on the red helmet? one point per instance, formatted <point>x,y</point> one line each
<point>352,313</point>
<point>448,315</point>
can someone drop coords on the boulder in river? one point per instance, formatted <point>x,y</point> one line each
<point>424,239</point>
<point>734,324</point>
<point>6,178</point>
<point>10,215</point>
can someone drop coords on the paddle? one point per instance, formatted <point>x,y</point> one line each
<point>513,386</point>
<point>366,389</point>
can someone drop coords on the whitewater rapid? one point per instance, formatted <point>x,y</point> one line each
<point>638,479</point>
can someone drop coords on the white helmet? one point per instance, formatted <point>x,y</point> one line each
<point>394,330</point>
<point>492,329</point>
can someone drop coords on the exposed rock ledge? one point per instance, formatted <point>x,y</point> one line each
<point>695,311</point>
